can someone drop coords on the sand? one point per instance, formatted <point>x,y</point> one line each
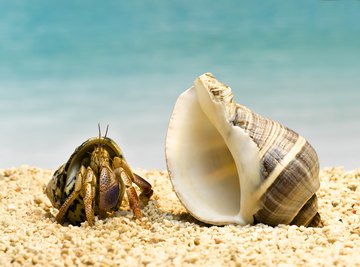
<point>168,235</point>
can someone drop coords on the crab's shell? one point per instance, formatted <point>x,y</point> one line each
<point>63,181</point>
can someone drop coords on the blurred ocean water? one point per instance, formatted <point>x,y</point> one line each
<point>67,66</point>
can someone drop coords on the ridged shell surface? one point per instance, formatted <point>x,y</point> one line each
<point>230,165</point>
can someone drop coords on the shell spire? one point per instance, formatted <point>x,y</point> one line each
<point>220,93</point>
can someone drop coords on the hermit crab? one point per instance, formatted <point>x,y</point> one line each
<point>93,182</point>
<point>230,165</point>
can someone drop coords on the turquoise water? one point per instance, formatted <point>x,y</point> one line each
<point>68,65</point>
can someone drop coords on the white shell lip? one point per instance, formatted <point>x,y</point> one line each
<point>213,165</point>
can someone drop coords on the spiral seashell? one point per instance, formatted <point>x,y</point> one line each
<point>229,165</point>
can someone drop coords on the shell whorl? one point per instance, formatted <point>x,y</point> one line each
<point>214,142</point>
<point>290,168</point>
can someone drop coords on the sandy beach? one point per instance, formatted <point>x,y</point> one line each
<point>168,235</point>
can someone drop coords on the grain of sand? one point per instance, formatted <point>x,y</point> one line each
<point>168,235</point>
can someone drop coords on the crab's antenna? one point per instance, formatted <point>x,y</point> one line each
<point>107,128</point>
<point>99,130</point>
<point>99,152</point>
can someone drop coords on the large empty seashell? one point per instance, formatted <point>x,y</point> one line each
<point>230,165</point>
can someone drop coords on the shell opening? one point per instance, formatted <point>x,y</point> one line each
<point>200,157</point>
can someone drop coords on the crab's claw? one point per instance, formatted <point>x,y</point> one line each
<point>111,191</point>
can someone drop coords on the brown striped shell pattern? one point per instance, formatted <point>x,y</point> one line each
<point>229,165</point>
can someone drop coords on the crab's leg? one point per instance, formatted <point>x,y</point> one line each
<point>89,184</point>
<point>132,195</point>
<point>145,187</point>
<point>77,188</point>
<point>124,173</point>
